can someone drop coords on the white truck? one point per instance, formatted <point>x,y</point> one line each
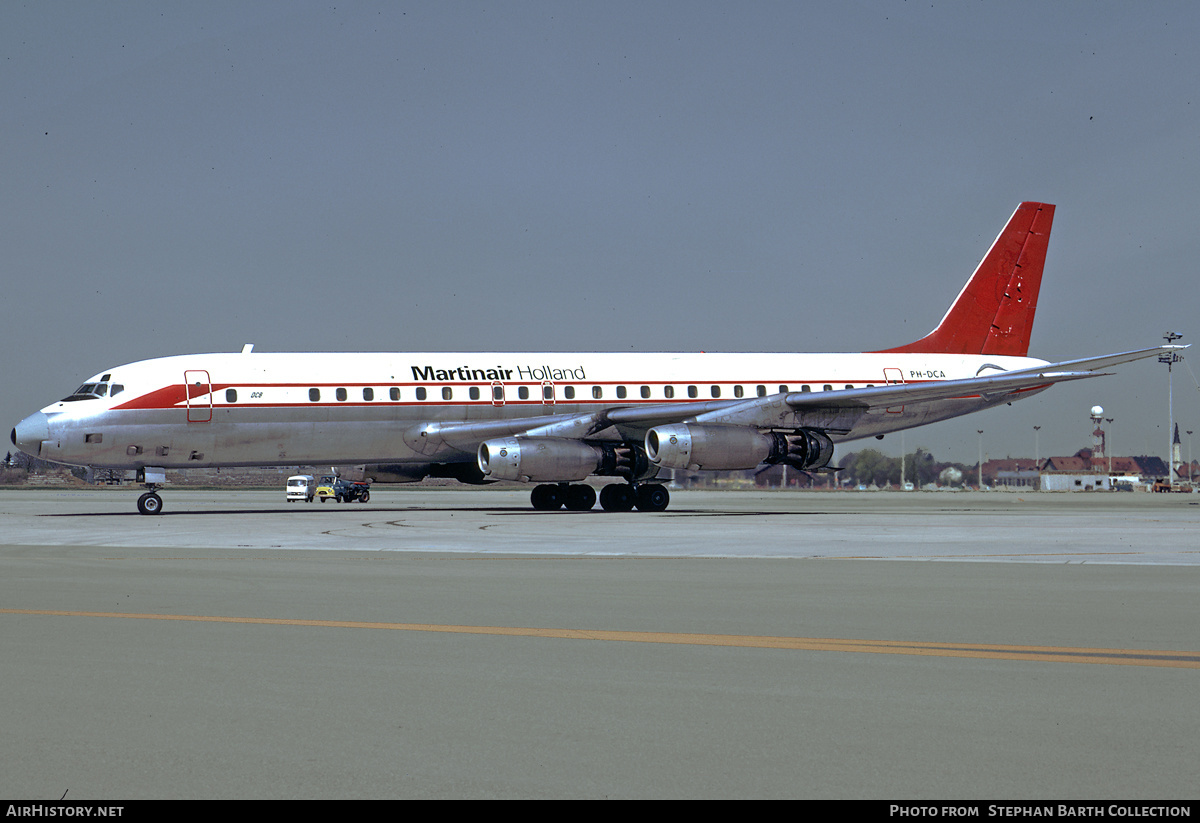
<point>301,487</point>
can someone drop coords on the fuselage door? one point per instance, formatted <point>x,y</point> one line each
<point>497,393</point>
<point>199,395</point>
<point>547,393</point>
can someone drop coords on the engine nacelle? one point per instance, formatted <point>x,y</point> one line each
<point>805,449</point>
<point>537,459</point>
<point>714,448</point>
<point>731,448</point>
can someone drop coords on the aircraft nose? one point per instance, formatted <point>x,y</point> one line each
<point>30,432</point>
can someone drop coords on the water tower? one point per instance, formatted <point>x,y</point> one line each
<point>1097,415</point>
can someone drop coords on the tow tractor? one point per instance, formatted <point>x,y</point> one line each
<point>343,491</point>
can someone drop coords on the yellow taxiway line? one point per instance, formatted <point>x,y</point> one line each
<point>990,651</point>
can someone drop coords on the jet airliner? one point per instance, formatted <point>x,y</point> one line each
<point>556,419</point>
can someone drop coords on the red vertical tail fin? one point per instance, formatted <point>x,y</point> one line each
<point>993,314</point>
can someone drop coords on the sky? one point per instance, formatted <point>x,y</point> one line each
<point>613,176</point>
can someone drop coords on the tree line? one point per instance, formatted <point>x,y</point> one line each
<point>871,467</point>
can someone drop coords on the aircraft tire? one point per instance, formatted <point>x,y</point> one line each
<point>580,498</point>
<point>653,497</point>
<point>150,503</point>
<point>617,497</point>
<point>546,498</point>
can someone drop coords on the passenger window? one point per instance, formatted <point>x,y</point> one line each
<point>569,392</point>
<point>784,389</point>
<point>394,393</point>
<point>368,394</point>
<point>547,391</point>
<point>231,395</point>
<point>523,392</point>
<point>341,394</point>
<point>421,393</point>
<point>314,395</point>
<point>849,386</point>
<point>806,388</point>
<point>621,392</point>
<point>645,392</point>
<point>668,392</point>
<point>716,391</point>
<point>596,392</point>
<point>738,391</point>
<point>497,392</point>
<point>827,387</point>
<point>762,391</point>
<point>447,393</point>
<point>474,392</point>
<point>693,391</point>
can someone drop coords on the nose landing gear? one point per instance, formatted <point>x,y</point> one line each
<point>150,503</point>
<point>152,479</point>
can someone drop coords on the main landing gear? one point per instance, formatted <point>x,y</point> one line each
<point>615,497</point>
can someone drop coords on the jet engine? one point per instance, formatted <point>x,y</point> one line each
<point>729,448</point>
<point>538,459</point>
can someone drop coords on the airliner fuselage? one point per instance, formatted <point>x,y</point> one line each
<point>248,409</point>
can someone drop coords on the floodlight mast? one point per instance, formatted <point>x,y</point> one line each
<point>1170,358</point>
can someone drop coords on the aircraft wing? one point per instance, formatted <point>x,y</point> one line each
<point>431,437</point>
<point>1104,361</point>
<point>835,411</point>
<point>838,411</point>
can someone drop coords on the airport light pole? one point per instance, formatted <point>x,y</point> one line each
<point>980,458</point>
<point>1108,447</point>
<point>1170,358</point>
<point>1189,434</point>
<point>1037,456</point>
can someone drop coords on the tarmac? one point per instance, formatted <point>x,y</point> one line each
<point>454,643</point>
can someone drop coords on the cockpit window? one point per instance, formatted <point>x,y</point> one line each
<point>84,392</point>
<point>93,391</point>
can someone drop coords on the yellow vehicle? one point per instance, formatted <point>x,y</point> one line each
<point>343,491</point>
